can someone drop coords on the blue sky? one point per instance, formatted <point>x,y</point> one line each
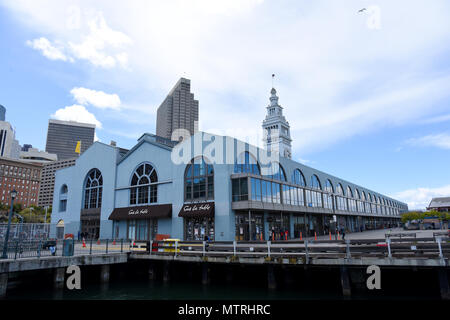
<point>366,94</point>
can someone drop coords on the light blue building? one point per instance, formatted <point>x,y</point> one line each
<point>208,185</point>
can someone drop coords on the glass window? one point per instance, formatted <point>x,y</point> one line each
<point>93,189</point>
<point>246,163</point>
<point>142,191</point>
<point>199,180</point>
<point>298,178</point>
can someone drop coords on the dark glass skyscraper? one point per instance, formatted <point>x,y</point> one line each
<point>178,111</point>
<point>62,137</point>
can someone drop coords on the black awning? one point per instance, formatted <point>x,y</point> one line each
<point>142,212</point>
<point>194,210</point>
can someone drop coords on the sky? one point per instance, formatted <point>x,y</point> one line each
<point>365,85</point>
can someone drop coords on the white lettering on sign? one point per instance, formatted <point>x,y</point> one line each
<point>138,211</point>
<point>196,207</point>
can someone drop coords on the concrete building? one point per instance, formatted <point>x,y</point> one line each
<point>22,176</point>
<point>178,111</point>
<point>439,204</point>
<point>45,198</point>
<point>62,137</point>
<point>36,156</point>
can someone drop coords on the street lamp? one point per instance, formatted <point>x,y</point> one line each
<point>5,243</point>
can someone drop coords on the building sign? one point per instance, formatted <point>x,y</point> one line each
<point>204,209</point>
<point>142,212</point>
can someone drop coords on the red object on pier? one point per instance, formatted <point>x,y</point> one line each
<point>84,244</point>
<point>300,236</point>
<point>315,236</point>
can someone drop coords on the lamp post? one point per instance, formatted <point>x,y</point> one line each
<point>5,244</point>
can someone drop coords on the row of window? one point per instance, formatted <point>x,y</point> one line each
<point>246,163</point>
<point>273,192</point>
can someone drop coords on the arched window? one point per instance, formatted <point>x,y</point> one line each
<point>93,188</point>
<point>315,182</point>
<point>328,198</point>
<point>298,178</point>
<point>341,203</point>
<point>246,163</point>
<point>199,180</point>
<point>63,198</point>
<point>143,191</point>
<point>314,198</point>
<point>351,201</point>
<point>276,171</point>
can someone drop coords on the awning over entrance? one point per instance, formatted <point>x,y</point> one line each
<point>142,212</point>
<point>194,210</point>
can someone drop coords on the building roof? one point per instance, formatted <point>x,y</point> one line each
<point>72,123</point>
<point>439,202</point>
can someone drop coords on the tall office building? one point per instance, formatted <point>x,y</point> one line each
<point>178,111</point>
<point>62,137</point>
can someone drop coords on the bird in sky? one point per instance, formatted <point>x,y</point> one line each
<point>363,9</point>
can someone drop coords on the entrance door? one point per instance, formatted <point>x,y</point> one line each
<point>249,228</point>
<point>278,225</point>
<point>60,229</point>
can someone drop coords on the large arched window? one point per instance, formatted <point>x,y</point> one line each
<point>351,201</point>
<point>314,198</point>
<point>199,180</point>
<point>328,198</point>
<point>143,191</point>
<point>276,171</point>
<point>315,182</point>
<point>93,188</point>
<point>246,163</point>
<point>341,204</point>
<point>63,198</point>
<point>298,178</point>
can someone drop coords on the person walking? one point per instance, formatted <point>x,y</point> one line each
<point>343,233</point>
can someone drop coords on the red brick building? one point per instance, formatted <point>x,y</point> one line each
<point>22,176</point>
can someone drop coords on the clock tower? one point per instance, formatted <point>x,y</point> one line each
<point>277,135</point>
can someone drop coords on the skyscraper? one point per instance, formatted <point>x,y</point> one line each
<point>2,113</point>
<point>178,111</point>
<point>62,137</point>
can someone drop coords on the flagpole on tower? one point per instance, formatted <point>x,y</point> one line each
<point>273,76</point>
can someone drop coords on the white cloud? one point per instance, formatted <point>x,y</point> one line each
<point>441,140</point>
<point>420,198</point>
<point>97,43</point>
<point>336,78</point>
<point>76,113</point>
<point>97,99</point>
<point>48,49</point>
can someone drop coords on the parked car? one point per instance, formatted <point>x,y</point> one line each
<point>49,243</point>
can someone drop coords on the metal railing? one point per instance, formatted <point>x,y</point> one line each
<point>19,249</point>
<point>436,247</point>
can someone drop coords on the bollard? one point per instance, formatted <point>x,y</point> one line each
<point>347,254</point>
<point>90,248</point>
<point>301,238</point>
<point>176,248</point>
<point>234,247</point>
<point>330,235</point>
<point>17,248</point>
<point>151,247</point>
<point>438,240</point>
<point>121,245</point>
<point>204,245</point>
<point>39,249</point>
<point>268,249</point>
<point>107,245</point>
<point>306,251</point>
<point>388,241</point>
